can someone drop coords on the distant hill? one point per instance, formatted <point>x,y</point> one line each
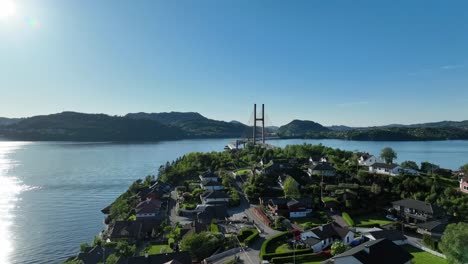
<point>8,121</point>
<point>195,125</point>
<point>299,128</point>
<point>341,128</point>
<point>72,126</point>
<point>457,124</point>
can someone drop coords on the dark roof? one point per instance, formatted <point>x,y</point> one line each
<point>279,201</point>
<point>182,257</point>
<point>149,206</point>
<point>214,194</point>
<point>392,235</point>
<point>126,229</point>
<point>418,205</point>
<point>330,230</point>
<point>323,166</point>
<point>293,202</point>
<point>384,165</point>
<point>212,212</point>
<point>311,241</point>
<point>93,255</point>
<point>208,174</point>
<point>366,156</point>
<point>382,251</point>
<point>435,226</point>
<point>207,182</point>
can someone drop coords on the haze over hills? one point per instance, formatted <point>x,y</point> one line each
<point>75,126</point>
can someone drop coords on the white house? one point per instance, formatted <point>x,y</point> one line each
<point>367,159</point>
<point>211,185</point>
<point>384,168</point>
<point>323,236</point>
<point>208,176</point>
<point>214,197</point>
<point>376,251</point>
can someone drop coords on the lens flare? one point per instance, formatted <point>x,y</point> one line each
<point>32,22</point>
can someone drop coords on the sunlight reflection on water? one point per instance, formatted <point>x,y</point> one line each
<point>10,188</point>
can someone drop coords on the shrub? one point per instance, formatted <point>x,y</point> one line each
<point>274,238</point>
<point>214,228</point>
<point>248,235</point>
<point>297,253</point>
<point>348,219</point>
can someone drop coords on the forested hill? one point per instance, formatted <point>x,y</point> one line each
<point>196,125</point>
<point>298,128</point>
<point>72,126</point>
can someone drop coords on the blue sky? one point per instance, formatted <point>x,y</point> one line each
<point>335,62</point>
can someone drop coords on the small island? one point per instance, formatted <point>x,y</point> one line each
<point>297,204</point>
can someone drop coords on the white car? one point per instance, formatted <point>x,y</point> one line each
<point>391,217</point>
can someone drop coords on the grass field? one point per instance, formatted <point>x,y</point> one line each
<point>369,220</point>
<point>157,249</point>
<point>422,257</point>
<point>283,248</point>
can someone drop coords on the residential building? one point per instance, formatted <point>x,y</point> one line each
<point>366,159</point>
<point>414,211</point>
<point>214,197</point>
<point>208,176</point>
<point>322,169</point>
<point>288,207</point>
<point>182,257</point>
<point>433,228</point>
<point>390,169</point>
<point>321,237</point>
<point>130,230</point>
<point>381,251</point>
<point>210,185</point>
<point>148,209</point>
<point>464,184</point>
<point>96,254</point>
<point>393,235</point>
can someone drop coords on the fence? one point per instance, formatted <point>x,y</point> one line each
<point>428,250</point>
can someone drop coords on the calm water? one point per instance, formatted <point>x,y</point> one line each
<point>51,193</point>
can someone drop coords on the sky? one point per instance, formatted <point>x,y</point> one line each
<point>355,63</point>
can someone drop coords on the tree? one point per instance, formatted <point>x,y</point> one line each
<point>464,168</point>
<point>409,164</point>
<point>388,155</point>
<point>291,188</point>
<point>83,246</point>
<point>112,259</point>
<point>428,167</point>
<point>201,245</point>
<point>124,249</point>
<point>453,243</point>
<point>338,248</point>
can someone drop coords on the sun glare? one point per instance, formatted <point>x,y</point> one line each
<point>7,8</point>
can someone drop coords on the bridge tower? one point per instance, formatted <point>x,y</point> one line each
<point>262,119</point>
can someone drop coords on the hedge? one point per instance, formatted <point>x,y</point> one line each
<point>348,219</point>
<point>299,258</point>
<point>248,235</point>
<point>270,256</point>
<point>268,240</point>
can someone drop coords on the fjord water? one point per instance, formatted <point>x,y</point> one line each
<point>51,193</point>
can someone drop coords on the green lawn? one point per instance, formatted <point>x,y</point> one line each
<point>283,248</point>
<point>422,257</point>
<point>242,171</point>
<point>369,220</point>
<point>157,249</point>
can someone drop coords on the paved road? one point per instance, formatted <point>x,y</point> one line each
<point>173,217</point>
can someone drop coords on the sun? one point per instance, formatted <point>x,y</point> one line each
<point>7,8</point>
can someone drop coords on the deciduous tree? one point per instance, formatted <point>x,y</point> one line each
<point>453,243</point>
<point>388,155</point>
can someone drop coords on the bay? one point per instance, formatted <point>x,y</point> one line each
<point>51,193</point>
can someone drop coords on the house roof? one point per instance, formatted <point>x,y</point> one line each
<point>207,182</point>
<point>384,165</point>
<point>126,229</point>
<point>212,212</point>
<point>391,235</point>
<point>96,254</point>
<point>382,251</point>
<point>148,206</point>
<point>330,230</point>
<point>208,174</point>
<point>323,166</point>
<point>182,257</point>
<point>435,226</point>
<point>214,195</point>
<point>311,241</point>
<point>418,205</point>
